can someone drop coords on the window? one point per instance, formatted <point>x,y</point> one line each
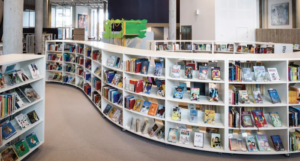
<point>61,17</point>
<point>28,18</point>
<point>94,23</point>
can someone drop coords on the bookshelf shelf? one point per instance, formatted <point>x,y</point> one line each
<point>9,87</point>
<point>280,61</point>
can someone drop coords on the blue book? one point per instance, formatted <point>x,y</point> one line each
<point>178,92</point>
<point>277,143</point>
<point>8,130</point>
<point>107,109</point>
<point>158,68</point>
<point>127,100</point>
<point>183,85</point>
<point>158,82</point>
<point>145,107</point>
<point>193,116</point>
<point>111,76</point>
<point>274,96</point>
<point>117,62</point>
<point>88,53</point>
<point>145,66</point>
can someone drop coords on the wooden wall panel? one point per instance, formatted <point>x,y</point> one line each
<point>290,36</point>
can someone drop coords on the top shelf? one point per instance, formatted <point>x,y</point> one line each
<point>16,58</point>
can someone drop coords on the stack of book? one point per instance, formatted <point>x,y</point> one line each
<point>72,48</point>
<point>55,57</point>
<point>54,66</point>
<point>96,84</point>
<point>88,64</point>
<point>53,47</point>
<point>98,71</point>
<point>111,94</point>
<point>97,55</point>
<point>70,68</point>
<point>202,47</point>
<point>87,76</point>
<point>294,72</point>
<point>79,49</point>
<point>294,116</point>
<point>294,140</point>
<point>137,65</point>
<point>87,89</point>
<point>115,62</point>
<point>113,77</point>
<point>294,95</point>
<point>68,79</point>
<point>55,77</point>
<point>69,57</point>
<point>79,60</point>
<point>88,52</point>
<point>113,113</point>
<point>97,99</point>
<point>224,47</point>
<point>79,71</point>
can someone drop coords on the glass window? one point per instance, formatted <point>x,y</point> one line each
<point>28,18</point>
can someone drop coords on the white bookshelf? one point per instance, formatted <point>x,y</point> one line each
<point>279,61</point>
<point>38,84</point>
<point>278,48</point>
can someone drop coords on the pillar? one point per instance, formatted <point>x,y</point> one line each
<point>90,23</point>
<point>46,14</point>
<point>38,34</point>
<point>74,16</point>
<point>265,14</point>
<point>172,19</point>
<point>104,14</point>
<point>13,27</point>
<point>97,29</point>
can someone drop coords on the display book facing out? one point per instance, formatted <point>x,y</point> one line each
<point>22,104</point>
<point>168,122</point>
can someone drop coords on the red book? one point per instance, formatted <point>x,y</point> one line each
<point>132,84</point>
<point>139,86</point>
<point>138,67</point>
<point>131,103</point>
<point>55,48</point>
<point>81,61</point>
<point>80,50</point>
<point>129,65</point>
<point>259,118</point>
<point>98,85</point>
<point>96,99</point>
<point>95,56</point>
<point>191,64</point>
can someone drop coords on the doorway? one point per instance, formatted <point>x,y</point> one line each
<point>186,32</point>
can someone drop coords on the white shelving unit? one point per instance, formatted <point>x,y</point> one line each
<point>279,61</point>
<point>22,61</point>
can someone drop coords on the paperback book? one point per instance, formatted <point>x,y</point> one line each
<point>259,118</point>
<point>175,73</point>
<point>244,98</point>
<point>250,141</point>
<point>29,93</point>
<point>203,72</point>
<point>193,115</point>
<point>213,94</point>
<point>257,97</point>
<point>153,130</point>
<point>172,137</point>
<point>32,140</point>
<point>8,130</point>
<point>33,117</point>
<point>178,92</point>
<point>262,142</point>
<point>275,119</point>
<point>195,94</point>
<point>146,107</point>
<point>21,148</point>
<point>9,154</point>
<point>215,73</point>
<point>161,111</point>
<point>260,73</point>
<point>247,76</point>
<point>277,143</point>
<point>215,140</point>
<point>158,68</point>
<point>273,74</point>
<point>188,72</point>
<point>247,119</point>
<point>274,95</point>
<point>176,114</point>
<point>209,117</point>
<point>22,121</point>
<point>198,139</point>
<point>184,136</point>
<point>160,133</point>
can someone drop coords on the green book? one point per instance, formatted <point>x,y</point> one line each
<point>21,147</point>
<point>275,119</point>
<point>32,140</point>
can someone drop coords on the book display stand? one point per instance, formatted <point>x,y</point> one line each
<point>84,64</point>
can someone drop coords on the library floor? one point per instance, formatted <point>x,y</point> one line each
<point>76,131</point>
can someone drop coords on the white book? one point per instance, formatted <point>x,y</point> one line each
<point>22,121</point>
<point>208,48</point>
<point>198,139</point>
<point>34,71</point>
<point>184,136</point>
<point>273,74</point>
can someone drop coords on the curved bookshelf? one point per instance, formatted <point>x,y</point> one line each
<point>222,106</point>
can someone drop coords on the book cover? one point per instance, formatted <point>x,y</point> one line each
<point>21,148</point>
<point>8,130</point>
<point>29,92</point>
<point>198,139</point>
<point>260,73</point>
<point>184,137</point>
<point>251,145</point>
<point>160,133</point>
<point>144,67</point>
<point>215,140</point>
<point>277,143</point>
<point>273,74</point>
<point>247,119</point>
<point>209,117</point>
<point>147,88</point>
<point>193,115</point>
<point>257,97</point>
<point>138,105</point>
<point>213,94</point>
<point>145,127</point>
<point>247,76</point>
<point>107,109</point>
<point>22,121</point>
<point>9,154</point>
<point>158,68</point>
<point>188,72</point>
<point>176,114</point>
<point>22,76</point>
<point>215,73</point>
<point>259,118</point>
<point>274,96</point>
<point>112,111</point>
<point>243,97</point>
<point>161,111</point>
<point>203,72</point>
<point>275,119</point>
<point>262,142</point>
<point>153,130</point>
<point>195,94</point>
<point>172,137</point>
<point>181,84</point>
<point>145,107</point>
<point>34,71</point>
<point>33,117</point>
<point>32,140</point>
<point>153,109</point>
<point>178,92</point>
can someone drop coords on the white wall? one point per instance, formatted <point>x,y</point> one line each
<point>203,25</point>
<point>82,10</point>
<point>235,20</point>
<point>270,3</point>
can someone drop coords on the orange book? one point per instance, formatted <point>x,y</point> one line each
<point>153,109</point>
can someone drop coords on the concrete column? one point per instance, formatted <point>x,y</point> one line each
<point>46,14</point>
<point>90,23</point>
<point>104,13</point>
<point>74,24</point>
<point>13,27</point>
<point>38,35</point>
<point>172,19</point>
<point>97,31</point>
<point>264,14</point>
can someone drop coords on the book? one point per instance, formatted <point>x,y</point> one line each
<point>195,94</point>
<point>215,73</point>
<point>9,154</point>
<point>158,68</point>
<point>193,115</point>
<point>277,143</point>
<point>213,94</point>
<point>107,109</point>
<point>176,114</point>
<point>22,76</point>
<point>144,67</point>
<point>32,140</point>
<point>160,111</point>
<point>273,74</point>
<point>8,130</point>
<point>209,117</point>
<point>198,139</point>
<point>215,140</point>
<point>188,72</point>
<point>257,97</point>
<point>138,105</point>
<point>29,92</point>
<point>184,136</point>
<point>147,88</point>
<point>112,111</point>
<point>262,142</point>
<point>145,107</point>
<point>274,95</point>
<point>259,118</point>
<point>153,109</point>
<point>172,136</point>
<point>33,117</point>
<point>250,142</point>
<point>34,71</point>
<point>137,124</point>
<point>275,119</point>
<point>175,72</point>
<point>236,144</point>
<point>160,133</point>
<point>243,97</point>
<point>246,119</point>
<point>153,130</point>
<point>182,84</point>
<point>260,73</point>
<point>178,92</point>
<point>22,121</point>
<point>247,76</point>
<point>21,148</point>
<point>145,127</point>
<point>203,72</point>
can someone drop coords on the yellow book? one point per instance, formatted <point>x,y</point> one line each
<point>112,111</point>
<point>176,114</point>
<point>138,105</point>
<point>209,117</point>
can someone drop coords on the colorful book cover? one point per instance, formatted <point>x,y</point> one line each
<point>147,88</point>
<point>195,94</point>
<point>145,107</point>
<point>160,133</point>
<point>107,109</point>
<point>247,76</point>
<point>260,73</point>
<point>9,154</point>
<point>172,137</point>
<point>144,68</point>
<point>247,119</point>
<point>34,71</point>
<point>251,145</point>
<point>138,105</point>
<point>22,121</point>
<point>188,72</point>
<point>193,115</point>
<point>275,119</point>
<point>33,117</point>
<point>277,143</point>
<point>273,74</point>
<point>215,141</point>
<point>29,92</point>
<point>213,94</point>
<point>274,96</point>
<point>262,142</point>
<point>153,109</point>
<point>153,130</point>
<point>259,118</point>
<point>198,139</point>
<point>8,130</point>
<point>257,97</point>
<point>209,117</point>
<point>215,73</point>
<point>161,111</point>
<point>178,92</point>
<point>158,68</point>
<point>244,98</point>
<point>32,140</point>
<point>181,84</point>
<point>112,111</point>
<point>203,72</point>
<point>21,148</point>
<point>176,114</point>
<point>184,137</point>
